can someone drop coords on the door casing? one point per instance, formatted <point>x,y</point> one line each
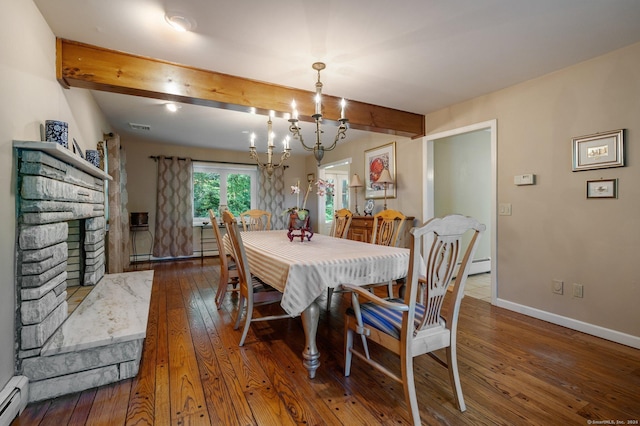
<point>429,179</point>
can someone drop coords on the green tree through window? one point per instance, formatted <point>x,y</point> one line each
<point>216,185</point>
<point>206,193</point>
<point>329,205</point>
<point>238,193</point>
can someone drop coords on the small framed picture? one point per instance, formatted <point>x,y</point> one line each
<point>311,177</point>
<point>603,188</point>
<point>599,151</point>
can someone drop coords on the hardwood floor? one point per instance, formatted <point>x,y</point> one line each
<point>515,370</point>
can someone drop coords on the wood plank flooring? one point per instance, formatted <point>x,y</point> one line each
<point>515,370</point>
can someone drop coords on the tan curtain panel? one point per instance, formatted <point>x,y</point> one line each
<point>174,210</point>
<point>271,196</point>
<point>118,245</point>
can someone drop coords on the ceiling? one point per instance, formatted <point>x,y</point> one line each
<point>411,55</point>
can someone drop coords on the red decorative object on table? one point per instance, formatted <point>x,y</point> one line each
<point>299,227</point>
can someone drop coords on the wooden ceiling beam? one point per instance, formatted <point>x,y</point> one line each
<point>95,68</point>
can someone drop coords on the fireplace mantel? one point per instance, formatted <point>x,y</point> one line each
<point>61,153</point>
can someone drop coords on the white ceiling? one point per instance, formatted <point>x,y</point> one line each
<point>411,55</point>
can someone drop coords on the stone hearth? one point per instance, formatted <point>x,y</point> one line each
<point>99,343</point>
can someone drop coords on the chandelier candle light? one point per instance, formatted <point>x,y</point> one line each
<point>318,149</point>
<point>269,165</point>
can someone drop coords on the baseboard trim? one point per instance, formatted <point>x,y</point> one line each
<point>594,330</point>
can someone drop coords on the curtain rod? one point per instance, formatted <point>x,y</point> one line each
<point>155,158</point>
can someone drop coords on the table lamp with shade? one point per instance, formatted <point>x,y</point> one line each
<point>385,179</point>
<point>356,183</point>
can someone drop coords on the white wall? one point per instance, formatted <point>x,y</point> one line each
<point>554,231</point>
<point>30,95</point>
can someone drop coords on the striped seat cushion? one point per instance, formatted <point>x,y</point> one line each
<point>259,285</point>
<point>386,320</point>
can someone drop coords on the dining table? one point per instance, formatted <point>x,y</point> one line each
<point>303,271</point>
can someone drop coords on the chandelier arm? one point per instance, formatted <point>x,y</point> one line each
<point>254,156</point>
<point>286,154</point>
<point>269,166</point>
<point>342,133</point>
<point>295,132</point>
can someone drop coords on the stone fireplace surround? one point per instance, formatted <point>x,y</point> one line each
<point>56,351</point>
<point>50,193</point>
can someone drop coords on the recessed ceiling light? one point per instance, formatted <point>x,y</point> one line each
<point>179,22</point>
<point>171,107</point>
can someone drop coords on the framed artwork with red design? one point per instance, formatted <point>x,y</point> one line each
<point>375,161</point>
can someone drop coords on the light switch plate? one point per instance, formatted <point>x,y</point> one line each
<point>504,209</point>
<point>528,179</point>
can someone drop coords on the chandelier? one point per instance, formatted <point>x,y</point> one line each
<point>318,149</point>
<point>269,166</point>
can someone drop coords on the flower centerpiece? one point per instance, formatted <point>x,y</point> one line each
<point>299,216</point>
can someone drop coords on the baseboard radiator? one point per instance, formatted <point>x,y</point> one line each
<point>13,399</point>
<point>480,266</point>
<point>477,266</point>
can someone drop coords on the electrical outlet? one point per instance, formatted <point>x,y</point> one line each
<point>578,290</point>
<point>557,286</point>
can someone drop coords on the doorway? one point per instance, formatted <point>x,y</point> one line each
<point>336,173</point>
<point>460,176</point>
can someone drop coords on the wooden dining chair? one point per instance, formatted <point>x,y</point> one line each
<point>387,227</point>
<point>339,229</point>
<point>409,328</point>
<point>387,230</point>
<point>341,223</point>
<point>228,269</point>
<point>256,220</point>
<point>252,291</point>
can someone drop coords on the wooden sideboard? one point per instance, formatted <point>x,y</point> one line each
<point>361,229</point>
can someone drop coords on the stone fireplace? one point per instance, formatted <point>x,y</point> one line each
<point>60,239</point>
<point>55,188</point>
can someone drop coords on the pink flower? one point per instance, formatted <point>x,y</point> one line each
<point>324,187</point>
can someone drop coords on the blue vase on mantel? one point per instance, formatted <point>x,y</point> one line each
<point>93,157</point>
<point>57,131</point>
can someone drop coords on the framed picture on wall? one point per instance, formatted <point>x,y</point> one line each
<point>603,188</point>
<point>375,161</point>
<point>598,151</point>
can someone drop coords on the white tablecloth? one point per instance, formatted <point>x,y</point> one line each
<point>304,270</point>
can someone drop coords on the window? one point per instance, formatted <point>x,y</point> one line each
<point>215,185</point>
